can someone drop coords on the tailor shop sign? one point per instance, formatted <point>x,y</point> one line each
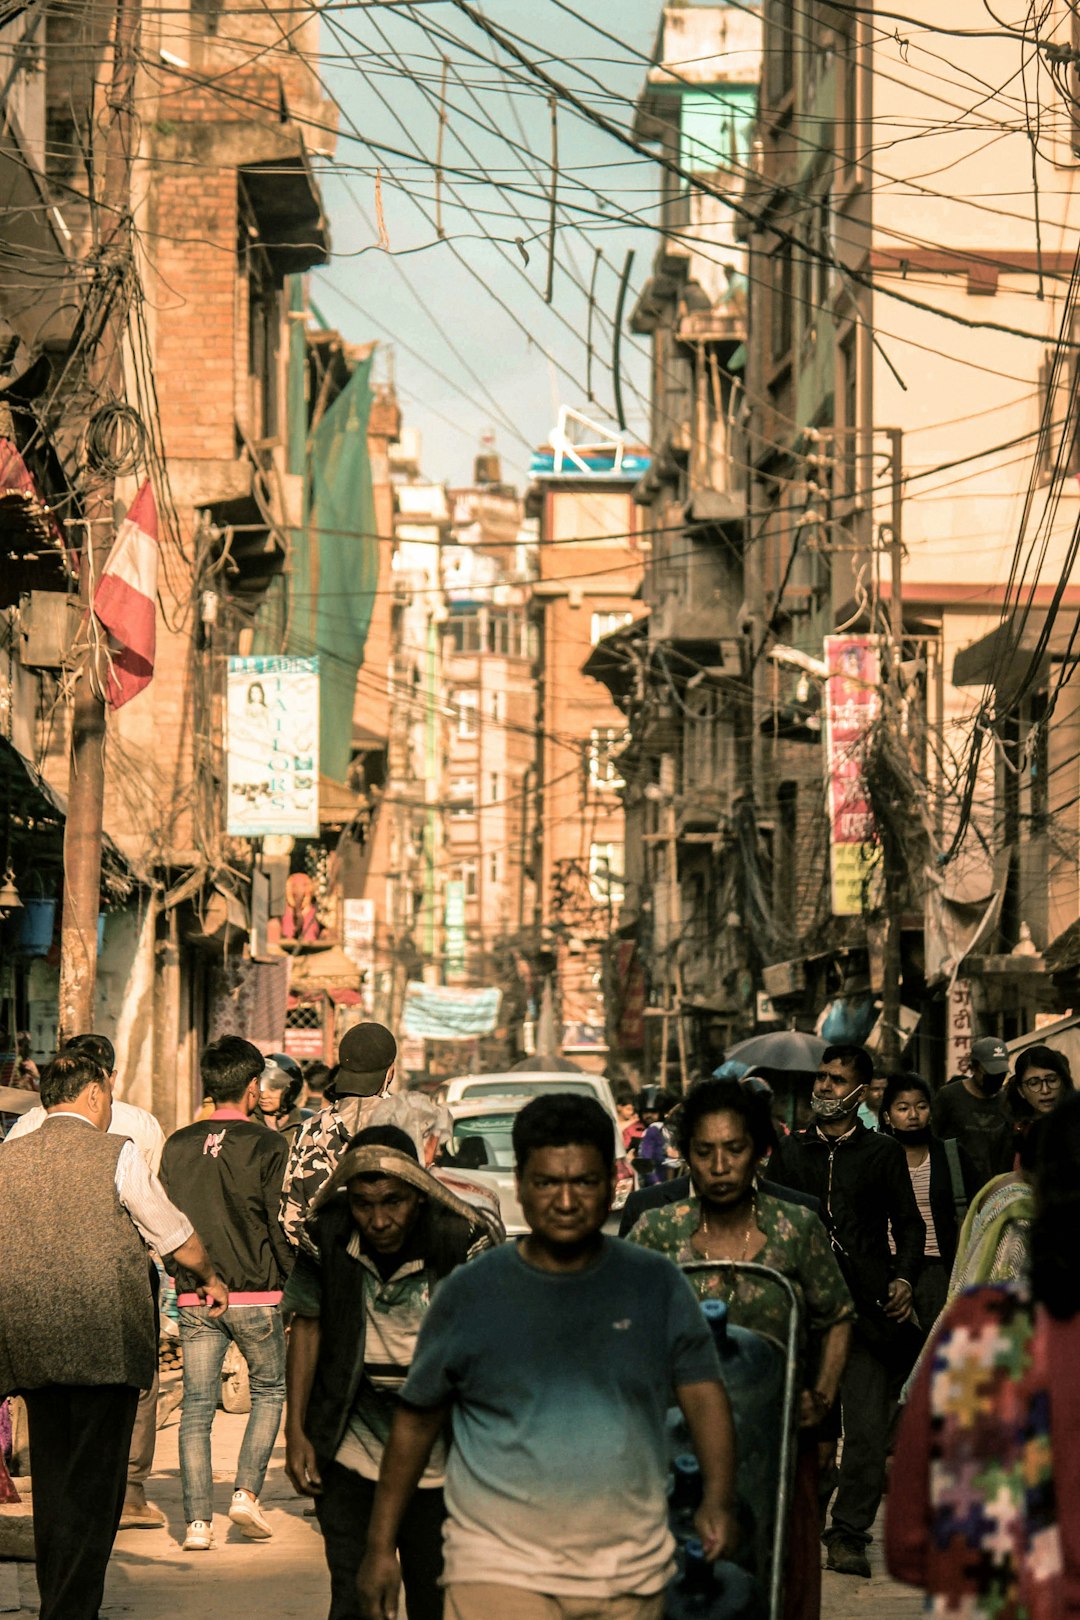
<point>272,739</point>
<point>852,704</point>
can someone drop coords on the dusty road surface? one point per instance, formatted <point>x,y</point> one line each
<point>285,1578</point>
<point>150,1578</point>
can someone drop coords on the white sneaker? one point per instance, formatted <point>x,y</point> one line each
<point>200,1536</point>
<point>248,1515</point>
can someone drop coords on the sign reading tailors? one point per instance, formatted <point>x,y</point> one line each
<point>853,702</point>
<point>273,746</point>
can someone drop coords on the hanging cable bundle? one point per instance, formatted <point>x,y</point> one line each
<point>115,440</point>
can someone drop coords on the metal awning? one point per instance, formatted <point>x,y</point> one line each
<point>285,199</point>
<point>1003,657</point>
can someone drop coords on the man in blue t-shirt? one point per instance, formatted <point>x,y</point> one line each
<point>556,1359</point>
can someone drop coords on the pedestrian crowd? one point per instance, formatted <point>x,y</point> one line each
<point>891,1285</point>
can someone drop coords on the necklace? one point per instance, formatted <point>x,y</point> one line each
<point>750,1226</point>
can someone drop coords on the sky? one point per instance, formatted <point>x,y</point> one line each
<point>468,306</point>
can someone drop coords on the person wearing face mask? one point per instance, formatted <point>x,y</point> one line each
<point>365,1070</point>
<point>861,1181</point>
<point>969,1110</point>
<point>944,1182</point>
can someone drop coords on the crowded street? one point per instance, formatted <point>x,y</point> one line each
<point>150,1577</point>
<point>539,810</point>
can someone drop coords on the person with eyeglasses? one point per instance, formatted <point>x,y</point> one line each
<point>1040,1082</point>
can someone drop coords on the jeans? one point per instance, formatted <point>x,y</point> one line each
<point>257,1331</point>
<point>344,1509</point>
<point>79,1442</point>
<point>866,1407</point>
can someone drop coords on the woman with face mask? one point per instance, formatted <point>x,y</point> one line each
<point>943,1179</point>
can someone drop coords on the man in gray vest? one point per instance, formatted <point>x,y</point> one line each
<point>78,1327</point>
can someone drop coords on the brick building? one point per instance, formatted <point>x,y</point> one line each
<point>220,355</point>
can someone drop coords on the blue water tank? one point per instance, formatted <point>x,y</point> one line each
<point>703,1590</point>
<point>752,1369</point>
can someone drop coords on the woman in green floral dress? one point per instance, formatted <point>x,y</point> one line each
<point>724,1132</point>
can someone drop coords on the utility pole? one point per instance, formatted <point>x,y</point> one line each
<point>894,871</point>
<point>105,313</point>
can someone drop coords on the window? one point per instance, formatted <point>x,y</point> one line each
<point>848,438</point>
<point>780,50</point>
<point>465,874</point>
<point>462,797</point>
<point>494,867</point>
<point>497,706</point>
<point>847,45</point>
<point>506,633</point>
<point>606,623</point>
<point>263,328</point>
<point>1059,435</point>
<point>494,788</point>
<point>463,630</point>
<point>781,300</point>
<point>604,744</point>
<point>606,874</point>
<point>466,706</point>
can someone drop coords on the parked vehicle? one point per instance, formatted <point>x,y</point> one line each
<point>515,1084</point>
<point>482,1148</point>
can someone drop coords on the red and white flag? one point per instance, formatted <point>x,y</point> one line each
<point>125,601</point>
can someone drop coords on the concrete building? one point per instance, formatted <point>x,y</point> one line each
<point>904,328</point>
<point>589,572</point>
<point>490,667</point>
<point>679,681</point>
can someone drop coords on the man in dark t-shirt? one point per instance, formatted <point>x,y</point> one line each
<point>970,1111</point>
<point>555,1359</point>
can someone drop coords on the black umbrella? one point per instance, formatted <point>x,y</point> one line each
<point>786,1049</point>
<point>545,1063</point>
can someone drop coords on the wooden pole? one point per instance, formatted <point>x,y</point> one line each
<point>106,312</point>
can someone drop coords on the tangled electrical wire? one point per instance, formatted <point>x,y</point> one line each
<point>116,440</point>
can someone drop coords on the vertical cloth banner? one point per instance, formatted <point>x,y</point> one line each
<point>325,603</point>
<point>853,703</point>
<point>125,601</point>
<point>272,741</point>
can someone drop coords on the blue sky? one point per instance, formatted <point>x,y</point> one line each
<point>441,298</point>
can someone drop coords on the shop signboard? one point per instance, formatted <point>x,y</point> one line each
<point>853,703</point>
<point>272,741</point>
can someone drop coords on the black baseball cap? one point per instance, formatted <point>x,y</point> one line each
<point>991,1055</point>
<point>364,1055</point>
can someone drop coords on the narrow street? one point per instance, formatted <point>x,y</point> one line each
<point>150,1576</point>
<point>285,1579</point>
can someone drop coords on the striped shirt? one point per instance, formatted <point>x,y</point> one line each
<point>920,1186</point>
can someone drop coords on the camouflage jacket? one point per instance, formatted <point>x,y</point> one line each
<point>313,1158</point>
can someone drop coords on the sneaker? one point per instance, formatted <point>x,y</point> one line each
<point>847,1556</point>
<point>248,1515</point>
<point>200,1536</point>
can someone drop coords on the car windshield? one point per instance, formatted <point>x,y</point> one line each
<point>525,1088</point>
<point>481,1143</point>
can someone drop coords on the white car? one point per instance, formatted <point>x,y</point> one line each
<point>526,1084</point>
<point>482,1149</point>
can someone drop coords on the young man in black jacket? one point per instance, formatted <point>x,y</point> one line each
<point>225,1173</point>
<point>861,1181</point>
